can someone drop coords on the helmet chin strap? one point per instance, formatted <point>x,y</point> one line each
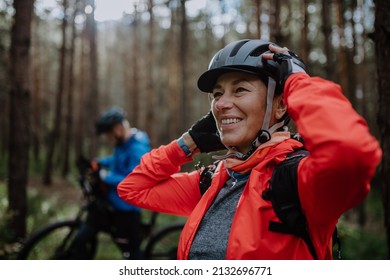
<point>265,133</point>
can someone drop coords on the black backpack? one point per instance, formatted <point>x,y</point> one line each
<point>283,194</point>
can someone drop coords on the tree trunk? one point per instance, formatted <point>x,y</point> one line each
<point>353,54</point>
<point>4,97</point>
<point>69,102</point>
<point>36,74</point>
<point>134,87</point>
<point>93,93</point>
<point>258,18</point>
<point>223,12</point>
<point>4,124</point>
<point>326,30</point>
<point>109,72</point>
<point>150,92</point>
<point>54,135</point>
<point>19,117</point>
<point>81,99</point>
<point>304,52</point>
<point>173,78</point>
<point>4,114</point>
<point>360,87</point>
<point>185,94</point>
<point>382,43</point>
<point>342,54</point>
<point>276,36</point>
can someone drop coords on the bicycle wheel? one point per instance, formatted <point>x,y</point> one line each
<point>163,244</point>
<point>53,242</point>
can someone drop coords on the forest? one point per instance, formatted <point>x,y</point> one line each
<point>61,65</point>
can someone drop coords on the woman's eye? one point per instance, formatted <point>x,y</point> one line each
<point>240,89</point>
<point>216,94</point>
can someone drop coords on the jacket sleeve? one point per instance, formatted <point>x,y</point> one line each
<point>157,184</point>
<point>343,154</point>
<point>131,157</point>
<point>106,161</point>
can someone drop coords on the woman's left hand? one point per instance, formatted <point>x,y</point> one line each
<point>275,49</point>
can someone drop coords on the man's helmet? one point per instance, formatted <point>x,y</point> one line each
<point>108,119</point>
<point>245,56</point>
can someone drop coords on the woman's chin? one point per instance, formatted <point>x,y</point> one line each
<point>231,144</point>
<point>236,145</point>
<point>226,141</point>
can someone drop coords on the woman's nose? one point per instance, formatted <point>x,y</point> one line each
<point>224,102</point>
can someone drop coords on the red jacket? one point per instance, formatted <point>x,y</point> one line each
<point>332,179</point>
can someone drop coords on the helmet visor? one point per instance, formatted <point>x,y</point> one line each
<point>208,79</point>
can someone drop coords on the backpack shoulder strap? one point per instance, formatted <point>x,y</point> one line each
<point>283,194</point>
<point>206,176</point>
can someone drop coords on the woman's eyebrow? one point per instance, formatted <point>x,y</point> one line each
<point>217,86</point>
<point>235,82</point>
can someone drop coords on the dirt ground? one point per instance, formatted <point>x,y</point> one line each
<point>64,191</point>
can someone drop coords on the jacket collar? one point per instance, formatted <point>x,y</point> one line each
<point>265,152</point>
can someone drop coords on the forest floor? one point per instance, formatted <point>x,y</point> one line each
<point>66,190</point>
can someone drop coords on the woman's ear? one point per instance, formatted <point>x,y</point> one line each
<point>280,107</point>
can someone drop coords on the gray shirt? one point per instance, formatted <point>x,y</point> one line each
<point>211,239</point>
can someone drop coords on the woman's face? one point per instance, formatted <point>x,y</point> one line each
<point>238,103</point>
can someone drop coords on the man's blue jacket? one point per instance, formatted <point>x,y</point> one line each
<point>125,157</point>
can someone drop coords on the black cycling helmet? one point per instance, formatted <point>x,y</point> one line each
<point>245,56</point>
<point>108,119</point>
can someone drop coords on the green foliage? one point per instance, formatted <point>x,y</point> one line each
<point>36,165</point>
<point>3,202</point>
<point>367,242</point>
<point>6,248</point>
<point>361,243</point>
<point>3,218</point>
<point>41,209</point>
<point>106,249</point>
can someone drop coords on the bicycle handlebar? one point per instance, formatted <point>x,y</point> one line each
<point>89,179</point>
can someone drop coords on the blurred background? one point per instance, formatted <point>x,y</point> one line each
<point>79,57</point>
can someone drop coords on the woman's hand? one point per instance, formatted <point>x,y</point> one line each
<point>205,135</point>
<point>289,62</point>
<point>275,49</point>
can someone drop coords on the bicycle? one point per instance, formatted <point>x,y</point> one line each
<point>54,241</point>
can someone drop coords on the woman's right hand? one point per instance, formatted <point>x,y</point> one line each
<point>205,135</point>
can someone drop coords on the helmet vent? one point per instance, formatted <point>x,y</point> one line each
<point>237,48</point>
<point>259,51</point>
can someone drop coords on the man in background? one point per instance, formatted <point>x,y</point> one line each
<point>124,219</point>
